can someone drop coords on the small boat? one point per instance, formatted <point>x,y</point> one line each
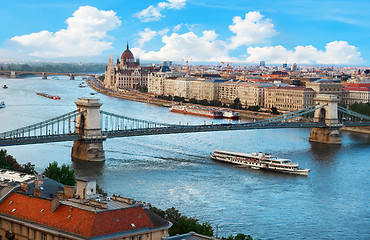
<point>54,78</point>
<point>81,85</point>
<point>93,93</point>
<point>230,115</point>
<point>4,86</point>
<point>2,104</point>
<point>259,161</point>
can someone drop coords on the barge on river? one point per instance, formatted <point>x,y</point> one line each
<point>198,111</point>
<point>54,97</point>
<point>259,161</point>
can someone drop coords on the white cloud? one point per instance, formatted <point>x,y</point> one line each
<point>187,45</point>
<point>163,31</point>
<point>251,30</point>
<point>176,28</point>
<point>153,13</point>
<point>336,52</point>
<point>85,35</point>
<point>146,36</point>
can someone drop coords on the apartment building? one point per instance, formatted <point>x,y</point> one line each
<point>201,88</point>
<point>40,208</point>
<point>289,98</point>
<point>252,94</point>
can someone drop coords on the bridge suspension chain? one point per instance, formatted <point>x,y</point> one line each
<point>61,125</point>
<point>115,122</point>
<point>348,115</point>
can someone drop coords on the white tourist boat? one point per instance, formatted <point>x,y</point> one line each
<point>259,161</point>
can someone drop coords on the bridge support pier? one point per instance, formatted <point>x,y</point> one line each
<point>329,115</point>
<point>325,135</point>
<point>90,147</point>
<point>71,77</point>
<point>13,74</point>
<point>88,151</point>
<point>44,76</point>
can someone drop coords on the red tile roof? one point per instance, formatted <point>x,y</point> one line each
<point>356,84</point>
<point>75,220</point>
<point>365,89</point>
<point>292,88</point>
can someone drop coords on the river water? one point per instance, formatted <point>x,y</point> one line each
<point>333,202</point>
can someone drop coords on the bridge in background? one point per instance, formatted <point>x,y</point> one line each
<point>44,75</point>
<point>88,126</point>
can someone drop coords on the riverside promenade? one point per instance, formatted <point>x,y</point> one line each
<point>98,86</point>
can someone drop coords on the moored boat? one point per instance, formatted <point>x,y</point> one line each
<point>259,161</point>
<point>2,104</point>
<point>198,111</point>
<point>5,86</point>
<point>230,115</point>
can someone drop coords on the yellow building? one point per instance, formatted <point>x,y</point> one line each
<point>252,94</point>
<point>289,98</point>
<point>202,88</point>
<point>324,86</point>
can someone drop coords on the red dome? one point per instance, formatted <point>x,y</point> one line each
<point>127,54</point>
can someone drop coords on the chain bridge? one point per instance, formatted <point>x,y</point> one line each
<point>88,126</point>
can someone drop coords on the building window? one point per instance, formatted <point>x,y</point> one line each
<point>34,234</point>
<point>139,237</point>
<point>12,227</point>
<point>132,238</point>
<point>20,229</point>
<point>43,236</point>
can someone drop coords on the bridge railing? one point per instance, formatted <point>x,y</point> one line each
<point>61,125</point>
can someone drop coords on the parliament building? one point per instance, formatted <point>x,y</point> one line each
<point>127,73</point>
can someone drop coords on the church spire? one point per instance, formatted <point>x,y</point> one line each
<point>127,46</point>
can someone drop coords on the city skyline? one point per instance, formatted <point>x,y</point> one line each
<point>309,32</point>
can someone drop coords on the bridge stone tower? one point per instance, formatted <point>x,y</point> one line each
<point>90,147</point>
<point>329,116</point>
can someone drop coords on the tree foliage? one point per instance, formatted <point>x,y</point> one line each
<point>239,236</point>
<point>62,174</point>
<point>275,111</point>
<point>183,224</point>
<point>236,104</point>
<point>9,162</point>
<point>102,77</point>
<point>363,108</point>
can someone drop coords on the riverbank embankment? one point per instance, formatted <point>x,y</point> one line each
<point>98,86</point>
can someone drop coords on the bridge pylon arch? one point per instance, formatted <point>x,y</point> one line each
<point>90,146</point>
<point>329,115</point>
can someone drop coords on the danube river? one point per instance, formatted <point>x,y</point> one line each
<point>333,202</point>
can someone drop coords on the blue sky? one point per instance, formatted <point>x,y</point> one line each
<point>304,31</point>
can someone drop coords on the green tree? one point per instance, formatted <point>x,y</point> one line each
<point>183,224</point>
<point>102,77</point>
<point>9,162</point>
<point>62,174</point>
<point>254,108</point>
<point>204,102</point>
<point>193,100</point>
<point>237,104</point>
<point>274,111</point>
<point>239,236</point>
